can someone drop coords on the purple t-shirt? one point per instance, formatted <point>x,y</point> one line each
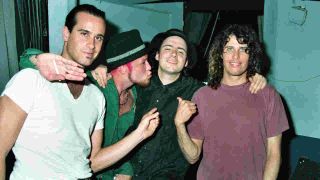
<point>235,125</point>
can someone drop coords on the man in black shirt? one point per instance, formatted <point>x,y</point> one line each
<point>160,156</point>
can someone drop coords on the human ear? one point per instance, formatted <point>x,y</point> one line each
<point>66,33</point>
<point>157,56</point>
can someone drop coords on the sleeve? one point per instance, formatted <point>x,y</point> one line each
<point>195,127</point>
<point>100,122</point>
<point>25,58</point>
<point>23,88</point>
<point>276,120</point>
<point>125,168</point>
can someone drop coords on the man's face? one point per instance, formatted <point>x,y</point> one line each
<point>84,42</point>
<point>235,59</point>
<point>140,72</point>
<point>172,55</point>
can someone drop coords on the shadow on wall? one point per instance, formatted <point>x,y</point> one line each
<point>287,137</point>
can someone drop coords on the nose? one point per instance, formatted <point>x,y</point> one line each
<point>236,54</point>
<point>174,52</point>
<point>148,67</point>
<point>91,43</point>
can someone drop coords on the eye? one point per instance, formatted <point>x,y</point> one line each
<point>99,38</point>
<point>228,49</point>
<point>85,34</point>
<point>244,49</point>
<point>167,48</point>
<point>181,52</point>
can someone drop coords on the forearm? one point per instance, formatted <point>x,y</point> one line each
<point>109,155</point>
<point>190,149</point>
<point>272,167</point>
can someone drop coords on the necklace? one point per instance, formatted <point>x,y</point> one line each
<point>124,97</point>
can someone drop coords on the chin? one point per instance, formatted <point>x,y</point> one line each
<point>144,83</point>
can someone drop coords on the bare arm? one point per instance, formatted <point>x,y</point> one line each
<point>258,82</point>
<point>55,67</point>
<point>104,157</point>
<point>273,162</point>
<point>12,118</point>
<point>191,148</point>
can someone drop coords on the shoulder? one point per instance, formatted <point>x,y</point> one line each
<point>269,94</point>
<point>203,92</point>
<point>191,82</point>
<point>269,90</point>
<point>28,72</point>
<point>26,77</point>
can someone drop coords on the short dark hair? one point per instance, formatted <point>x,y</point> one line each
<point>71,19</point>
<point>244,35</point>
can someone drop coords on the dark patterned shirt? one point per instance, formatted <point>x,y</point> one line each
<point>160,156</point>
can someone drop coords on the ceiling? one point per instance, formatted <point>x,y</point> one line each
<point>204,5</point>
<point>131,2</point>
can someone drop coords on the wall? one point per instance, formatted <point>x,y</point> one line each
<point>148,18</point>
<point>57,12</point>
<point>294,51</point>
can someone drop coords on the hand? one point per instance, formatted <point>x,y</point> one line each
<point>148,123</point>
<point>101,75</point>
<point>55,67</point>
<point>185,110</point>
<point>122,177</point>
<point>258,82</point>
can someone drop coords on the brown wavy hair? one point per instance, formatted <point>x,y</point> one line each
<point>244,35</point>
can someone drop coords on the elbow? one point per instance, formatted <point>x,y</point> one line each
<point>93,165</point>
<point>193,160</point>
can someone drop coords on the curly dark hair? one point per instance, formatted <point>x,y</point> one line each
<point>244,35</point>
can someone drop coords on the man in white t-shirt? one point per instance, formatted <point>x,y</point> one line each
<point>55,129</point>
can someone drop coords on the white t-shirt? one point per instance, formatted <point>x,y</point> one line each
<point>54,142</point>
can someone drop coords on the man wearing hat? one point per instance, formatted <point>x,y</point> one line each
<point>126,57</point>
<point>127,60</point>
<point>56,128</point>
<point>160,156</point>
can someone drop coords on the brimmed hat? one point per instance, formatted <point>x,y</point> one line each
<point>123,48</point>
<point>159,38</point>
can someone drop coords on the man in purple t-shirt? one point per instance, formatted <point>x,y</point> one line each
<point>238,132</point>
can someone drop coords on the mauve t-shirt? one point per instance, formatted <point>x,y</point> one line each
<point>235,125</point>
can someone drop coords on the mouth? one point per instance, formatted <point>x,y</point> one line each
<point>172,61</point>
<point>235,64</point>
<point>89,55</point>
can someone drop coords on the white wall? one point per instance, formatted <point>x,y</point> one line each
<point>295,57</point>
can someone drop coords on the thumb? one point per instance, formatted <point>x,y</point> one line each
<point>179,99</point>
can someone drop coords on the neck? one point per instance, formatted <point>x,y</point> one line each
<point>121,83</point>
<point>166,78</point>
<point>233,80</point>
<point>75,83</point>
